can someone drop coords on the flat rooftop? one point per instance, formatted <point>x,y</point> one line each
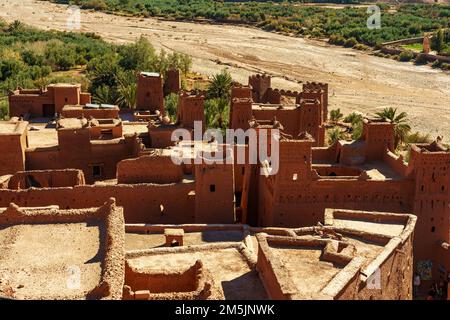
<point>91,107</point>
<point>64,85</point>
<point>266,106</point>
<point>312,263</point>
<point>47,136</point>
<point>47,253</point>
<point>105,122</point>
<point>150,74</point>
<point>12,128</point>
<point>233,277</point>
<point>72,123</point>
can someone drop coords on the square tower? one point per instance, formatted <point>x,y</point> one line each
<point>429,165</point>
<point>190,109</point>
<point>311,87</point>
<point>150,95</point>
<point>260,84</point>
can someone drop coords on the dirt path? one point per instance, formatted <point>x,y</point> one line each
<point>358,81</point>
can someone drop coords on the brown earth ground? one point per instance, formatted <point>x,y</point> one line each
<point>358,81</point>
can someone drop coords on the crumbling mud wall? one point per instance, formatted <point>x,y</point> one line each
<point>109,220</point>
<point>177,284</point>
<point>97,113</point>
<point>46,179</point>
<point>391,277</point>
<point>149,169</point>
<point>385,273</point>
<point>303,204</point>
<point>142,203</point>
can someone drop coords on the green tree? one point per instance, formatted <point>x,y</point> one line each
<point>126,89</point>
<point>15,26</point>
<point>102,71</point>
<point>138,56</point>
<point>105,94</point>
<point>334,135</point>
<point>440,40</point>
<point>217,112</point>
<point>220,86</point>
<point>171,106</point>
<point>353,118</point>
<point>400,121</point>
<point>336,115</point>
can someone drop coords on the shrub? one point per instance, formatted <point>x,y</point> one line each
<point>436,64</point>
<point>3,109</point>
<point>350,43</point>
<point>337,40</point>
<point>417,137</point>
<point>353,117</point>
<point>171,105</point>
<point>361,47</point>
<point>336,115</point>
<point>421,59</point>
<point>445,66</point>
<point>95,4</point>
<point>405,56</point>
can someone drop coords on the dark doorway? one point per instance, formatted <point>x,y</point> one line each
<point>238,197</point>
<point>97,171</point>
<point>48,110</point>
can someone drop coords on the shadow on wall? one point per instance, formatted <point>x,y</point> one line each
<point>245,287</point>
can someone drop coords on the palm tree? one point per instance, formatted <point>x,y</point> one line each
<point>336,115</point>
<point>14,26</point>
<point>400,121</point>
<point>220,86</point>
<point>171,106</point>
<point>126,89</point>
<point>334,135</point>
<point>104,94</point>
<point>217,113</point>
<point>127,96</point>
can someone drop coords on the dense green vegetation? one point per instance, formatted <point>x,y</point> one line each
<point>350,127</point>
<point>31,58</point>
<point>340,25</point>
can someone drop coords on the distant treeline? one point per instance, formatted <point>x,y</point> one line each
<point>397,22</point>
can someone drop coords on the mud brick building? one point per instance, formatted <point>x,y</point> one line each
<point>46,103</point>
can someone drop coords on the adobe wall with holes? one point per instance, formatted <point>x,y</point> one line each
<point>191,109</point>
<point>431,204</point>
<point>149,94</point>
<point>297,195</point>
<point>172,82</point>
<point>302,203</point>
<point>214,191</point>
